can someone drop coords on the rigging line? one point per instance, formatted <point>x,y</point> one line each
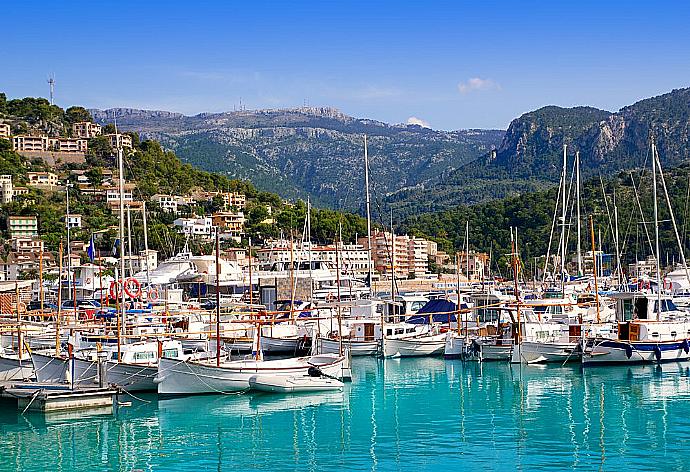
<point>632,211</point>
<point>685,213</point>
<point>639,206</point>
<point>553,226</point>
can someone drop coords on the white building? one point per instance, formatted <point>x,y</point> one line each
<point>74,221</point>
<point>5,130</point>
<point>6,189</point>
<point>200,227</point>
<point>86,130</point>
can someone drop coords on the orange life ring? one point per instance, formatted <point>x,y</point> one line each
<point>132,288</point>
<point>88,280</point>
<point>114,291</point>
<point>152,294</point>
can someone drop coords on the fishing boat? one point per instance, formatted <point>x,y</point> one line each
<point>650,329</point>
<point>180,377</point>
<point>15,367</point>
<point>416,346</point>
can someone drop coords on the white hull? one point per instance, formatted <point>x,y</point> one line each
<point>418,346</point>
<point>49,368</point>
<point>357,348</point>
<point>186,378</point>
<point>272,345</point>
<point>614,352</point>
<point>132,377</point>
<point>529,352</point>
<point>494,352</point>
<point>11,368</point>
<point>455,345</point>
<point>293,384</point>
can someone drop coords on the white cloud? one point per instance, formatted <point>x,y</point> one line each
<point>476,83</point>
<point>413,120</point>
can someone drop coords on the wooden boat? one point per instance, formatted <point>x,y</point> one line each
<point>14,368</point>
<point>426,345</point>
<point>179,377</point>
<point>293,383</point>
<point>358,348</point>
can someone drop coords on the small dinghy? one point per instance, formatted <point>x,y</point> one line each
<point>315,381</point>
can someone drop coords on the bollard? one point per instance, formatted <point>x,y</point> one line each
<point>102,369</point>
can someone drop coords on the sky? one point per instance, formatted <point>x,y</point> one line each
<point>448,65</point>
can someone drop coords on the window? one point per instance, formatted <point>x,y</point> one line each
<point>144,356</point>
<point>170,353</point>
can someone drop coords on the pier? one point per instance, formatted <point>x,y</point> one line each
<point>47,397</point>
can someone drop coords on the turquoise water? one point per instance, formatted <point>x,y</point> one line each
<point>425,414</point>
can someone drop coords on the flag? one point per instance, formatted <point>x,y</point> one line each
<point>116,247</point>
<point>91,252</point>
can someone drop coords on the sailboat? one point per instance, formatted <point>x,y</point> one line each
<point>650,327</point>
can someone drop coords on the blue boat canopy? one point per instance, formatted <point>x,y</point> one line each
<point>441,309</point>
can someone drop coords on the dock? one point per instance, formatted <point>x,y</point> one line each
<point>49,397</point>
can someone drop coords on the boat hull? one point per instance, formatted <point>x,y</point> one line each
<point>621,352</point>
<point>132,377</point>
<point>12,368</point>
<point>293,384</point>
<point>529,352</point>
<point>414,347</point>
<point>273,345</point>
<point>455,346</point>
<point>177,377</point>
<point>49,368</point>
<point>495,352</point>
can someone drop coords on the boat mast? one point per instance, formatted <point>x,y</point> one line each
<point>594,266</point>
<point>340,320</point>
<point>129,241</point>
<point>217,296</point>
<point>146,248</point>
<point>467,250</point>
<point>656,235</point>
<point>59,304</point>
<point>69,248</point>
<point>311,258</point>
<point>121,230</point>
<point>392,263</point>
<point>563,196</point>
<point>515,283</point>
<point>366,184</point>
<point>577,189</point>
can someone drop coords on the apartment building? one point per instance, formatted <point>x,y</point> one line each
<point>201,227</point>
<point>119,140</point>
<point>6,189</point>
<point>27,244</point>
<point>22,226</point>
<point>42,179</point>
<point>230,222</point>
<point>67,145</point>
<point>5,130</point>
<point>30,143</point>
<point>86,130</point>
<point>410,255</point>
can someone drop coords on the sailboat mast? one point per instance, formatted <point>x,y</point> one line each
<point>392,261</point>
<point>121,235</point>
<point>467,249</point>
<point>217,297</point>
<point>146,246</point>
<point>563,196</point>
<point>577,189</point>
<point>311,257</point>
<point>366,184</point>
<point>656,235</point>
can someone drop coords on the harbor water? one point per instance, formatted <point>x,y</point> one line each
<point>408,414</point>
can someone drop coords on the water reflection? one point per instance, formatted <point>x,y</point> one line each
<point>426,413</point>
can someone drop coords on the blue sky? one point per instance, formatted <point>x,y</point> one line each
<point>449,64</point>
